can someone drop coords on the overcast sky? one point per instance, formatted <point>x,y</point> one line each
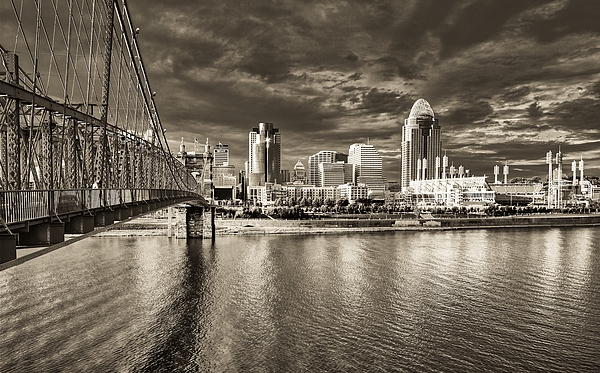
<point>508,79</point>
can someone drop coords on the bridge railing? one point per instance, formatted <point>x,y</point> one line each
<point>23,205</point>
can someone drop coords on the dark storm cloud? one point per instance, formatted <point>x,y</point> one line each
<point>425,17</point>
<point>351,57</point>
<point>332,73</point>
<point>514,94</point>
<point>267,62</point>
<point>524,128</point>
<point>594,89</point>
<point>394,67</point>
<point>378,102</point>
<point>466,116</point>
<point>480,21</point>
<point>578,115</point>
<point>535,110</point>
<point>576,17</point>
<point>228,104</point>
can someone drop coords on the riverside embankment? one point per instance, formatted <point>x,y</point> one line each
<point>267,226</point>
<point>159,227</point>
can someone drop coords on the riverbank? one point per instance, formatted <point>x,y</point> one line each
<point>140,227</point>
<point>159,227</point>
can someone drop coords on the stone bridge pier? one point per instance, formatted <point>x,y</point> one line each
<point>193,221</point>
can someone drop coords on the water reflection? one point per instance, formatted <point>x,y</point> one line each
<point>503,300</point>
<point>348,273</point>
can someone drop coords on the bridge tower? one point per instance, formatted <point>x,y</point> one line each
<point>77,110</point>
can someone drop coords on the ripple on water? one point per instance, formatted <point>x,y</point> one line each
<point>469,301</point>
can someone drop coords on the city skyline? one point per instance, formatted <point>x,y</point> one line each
<point>508,80</point>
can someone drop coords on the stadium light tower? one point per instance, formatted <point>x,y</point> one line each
<point>559,160</point>
<point>496,173</point>
<point>444,165</point>
<point>550,186</point>
<point>581,170</point>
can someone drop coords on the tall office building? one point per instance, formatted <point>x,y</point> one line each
<point>264,155</point>
<point>324,156</point>
<point>221,155</point>
<point>368,168</point>
<point>421,144</point>
<point>331,174</point>
<point>366,160</point>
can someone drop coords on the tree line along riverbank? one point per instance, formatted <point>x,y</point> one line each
<point>158,226</point>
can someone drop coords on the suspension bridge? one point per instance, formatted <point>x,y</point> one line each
<point>81,141</point>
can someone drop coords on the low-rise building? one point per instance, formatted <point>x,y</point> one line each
<point>353,192</point>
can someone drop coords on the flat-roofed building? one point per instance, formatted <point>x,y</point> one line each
<point>224,175</point>
<point>376,186</point>
<point>324,156</point>
<point>368,169</point>
<point>221,154</point>
<point>366,160</point>
<point>297,192</point>
<point>331,174</point>
<point>353,192</point>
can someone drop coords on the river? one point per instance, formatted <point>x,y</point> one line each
<point>425,301</point>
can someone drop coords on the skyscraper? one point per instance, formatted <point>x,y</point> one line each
<point>221,155</point>
<point>331,174</point>
<point>421,144</point>
<point>366,160</point>
<point>264,155</point>
<point>324,156</point>
<point>368,168</point>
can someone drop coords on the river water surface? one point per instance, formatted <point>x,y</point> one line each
<point>466,301</point>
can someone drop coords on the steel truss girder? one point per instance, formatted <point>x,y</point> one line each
<point>64,143</point>
<point>47,144</point>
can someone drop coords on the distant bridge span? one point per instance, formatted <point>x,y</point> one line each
<point>76,112</point>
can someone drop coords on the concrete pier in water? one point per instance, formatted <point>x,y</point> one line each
<point>192,221</point>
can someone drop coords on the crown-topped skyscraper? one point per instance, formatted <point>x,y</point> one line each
<point>421,144</point>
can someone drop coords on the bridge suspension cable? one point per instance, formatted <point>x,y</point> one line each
<point>76,105</point>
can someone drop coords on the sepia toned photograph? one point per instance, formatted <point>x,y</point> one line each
<point>299,186</point>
